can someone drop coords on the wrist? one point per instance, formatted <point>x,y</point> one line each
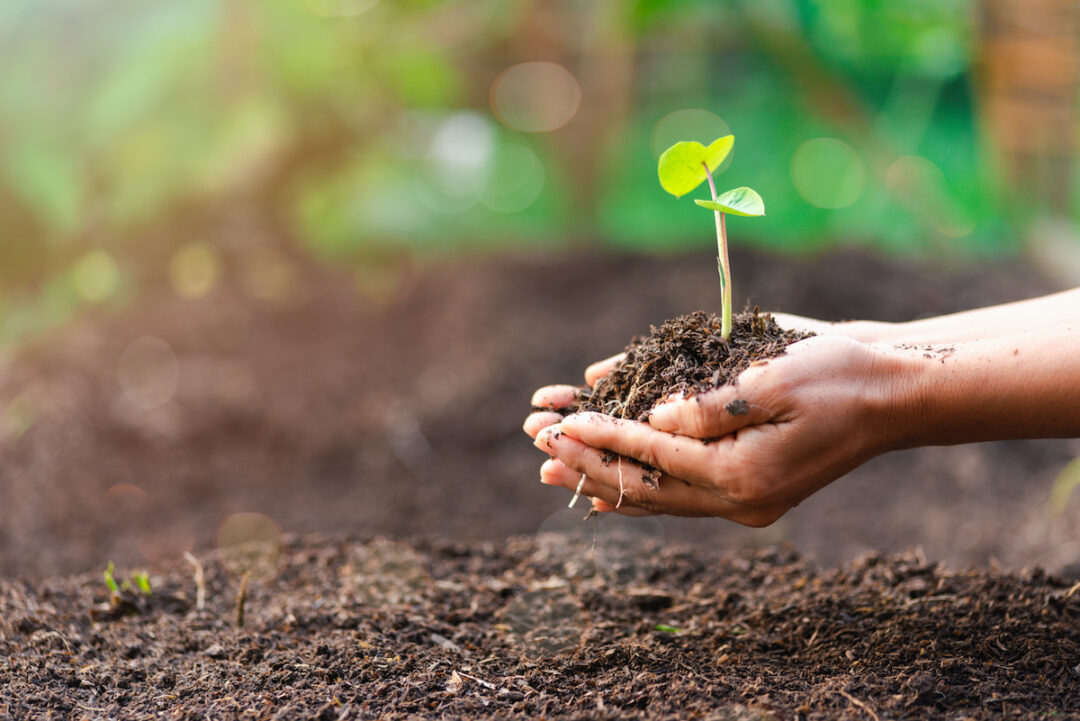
<point>897,397</point>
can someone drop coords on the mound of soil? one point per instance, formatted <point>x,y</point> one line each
<point>685,355</point>
<point>553,626</point>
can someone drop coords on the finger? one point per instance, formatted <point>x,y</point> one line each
<point>676,455</point>
<point>556,473</point>
<point>622,479</point>
<point>625,479</point>
<point>557,396</point>
<point>626,509</point>
<point>540,420</point>
<point>601,368</point>
<point>712,414</point>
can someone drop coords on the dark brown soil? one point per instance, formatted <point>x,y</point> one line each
<point>586,623</point>
<point>339,408</point>
<point>685,355</point>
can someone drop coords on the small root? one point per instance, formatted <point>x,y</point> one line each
<point>577,493</point>
<point>622,489</point>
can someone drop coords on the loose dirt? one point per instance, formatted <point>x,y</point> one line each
<point>546,627</point>
<point>391,403</point>
<point>685,355</point>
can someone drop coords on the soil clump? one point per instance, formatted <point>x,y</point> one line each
<point>685,355</point>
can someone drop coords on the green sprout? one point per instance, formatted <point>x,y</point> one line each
<point>139,580</point>
<point>110,580</point>
<point>142,582</point>
<point>682,168</point>
<point>664,628</point>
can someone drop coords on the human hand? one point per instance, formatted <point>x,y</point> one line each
<point>866,331</point>
<point>553,471</point>
<point>748,452</point>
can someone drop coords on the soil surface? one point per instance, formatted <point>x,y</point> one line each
<point>388,404</point>
<point>685,355</point>
<point>391,401</point>
<point>332,402</point>
<point>585,623</point>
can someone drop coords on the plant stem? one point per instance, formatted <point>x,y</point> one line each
<point>722,263</point>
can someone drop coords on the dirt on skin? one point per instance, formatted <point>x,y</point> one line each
<point>685,355</point>
<point>555,626</point>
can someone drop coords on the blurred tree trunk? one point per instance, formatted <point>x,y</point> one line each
<point>1029,70</point>
<point>594,42</point>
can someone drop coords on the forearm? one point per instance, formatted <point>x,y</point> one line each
<point>1023,385</point>
<point>993,321</point>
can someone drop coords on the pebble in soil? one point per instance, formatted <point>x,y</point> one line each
<point>685,355</point>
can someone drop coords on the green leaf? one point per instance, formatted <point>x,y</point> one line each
<point>680,168</point>
<point>739,201</point>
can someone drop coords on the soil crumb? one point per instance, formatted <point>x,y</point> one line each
<point>685,355</point>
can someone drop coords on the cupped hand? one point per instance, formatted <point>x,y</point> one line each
<point>749,451</point>
<point>553,472</point>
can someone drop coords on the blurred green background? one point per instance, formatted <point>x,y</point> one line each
<point>362,132</point>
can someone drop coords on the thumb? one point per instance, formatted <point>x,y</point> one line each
<point>711,414</point>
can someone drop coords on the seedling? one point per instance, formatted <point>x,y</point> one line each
<point>682,168</point>
<point>110,580</point>
<point>139,580</point>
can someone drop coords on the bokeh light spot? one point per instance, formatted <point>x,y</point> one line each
<point>536,97</point>
<point>269,276</point>
<point>458,163</point>
<point>383,572</point>
<point>544,621</point>
<point>688,124</point>
<point>96,276</point>
<point>828,173</point>
<point>126,499</point>
<point>515,181</point>
<point>339,8</point>
<point>148,372</point>
<point>611,547</point>
<point>250,543</point>
<point>194,270</point>
<point>920,184</point>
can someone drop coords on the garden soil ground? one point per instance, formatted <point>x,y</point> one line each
<point>546,627</point>
<point>390,405</point>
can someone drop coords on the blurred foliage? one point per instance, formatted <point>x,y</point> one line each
<point>365,129</point>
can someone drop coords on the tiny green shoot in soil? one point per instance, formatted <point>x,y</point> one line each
<point>139,580</point>
<point>686,165</point>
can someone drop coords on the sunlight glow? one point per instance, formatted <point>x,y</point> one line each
<point>536,97</point>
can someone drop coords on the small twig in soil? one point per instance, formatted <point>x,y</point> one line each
<point>241,598</point>
<point>859,703</point>
<point>200,580</point>
<point>1071,591</point>
<point>486,684</point>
